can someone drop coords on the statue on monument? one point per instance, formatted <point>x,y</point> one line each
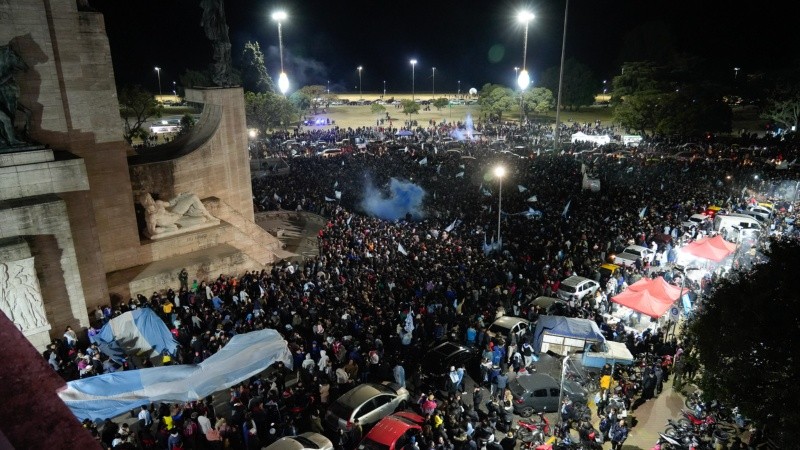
<point>10,62</point>
<point>216,29</point>
<point>185,210</point>
<point>20,297</point>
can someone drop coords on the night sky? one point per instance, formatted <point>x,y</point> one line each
<point>472,41</point>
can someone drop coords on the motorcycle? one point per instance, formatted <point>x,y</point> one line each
<point>530,431</point>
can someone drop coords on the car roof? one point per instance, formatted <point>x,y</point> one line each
<point>509,321</point>
<point>392,427</point>
<point>449,348</point>
<point>361,394</point>
<point>609,266</point>
<point>291,443</point>
<point>574,280</point>
<point>534,381</point>
<point>636,247</point>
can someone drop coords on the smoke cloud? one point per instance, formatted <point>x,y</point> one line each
<point>404,197</point>
<point>301,71</point>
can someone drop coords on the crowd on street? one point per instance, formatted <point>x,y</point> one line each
<point>380,292</point>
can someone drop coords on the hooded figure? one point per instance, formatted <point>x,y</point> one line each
<point>323,359</point>
<point>308,363</point>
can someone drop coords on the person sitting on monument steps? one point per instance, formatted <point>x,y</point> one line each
<point>184,210</point>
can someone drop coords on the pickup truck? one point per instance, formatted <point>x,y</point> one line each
<point>631,253</point>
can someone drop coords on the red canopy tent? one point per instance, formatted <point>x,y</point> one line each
<point>644,302</point>
<point>714,248</point>
<point>657,287</point>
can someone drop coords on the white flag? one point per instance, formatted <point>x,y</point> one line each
<point>533,199</point>
<point>486,192</point>
<point>338,194</point>
<point>461,166</point>
<point>566,209</point>
<point>335,185</point>
<point>629,170</point>
<point>438,168</point>
<point>277,198</point>
<point>643,212</point>
<point>328,199</point>
<point>401,249</point>
<point>460,175</point>
<point>521,188</point>
<point>349,219</point>
<point>423,161</point>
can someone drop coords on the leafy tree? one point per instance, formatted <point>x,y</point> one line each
<point>785,113</point>
<point>639,112</point>
<point>496,99</point>
<point>377,109</point>
<point>187,123</point>
<point>410,107</point>
<point>268,110</point>
<point>136,105</point>
<point>317,96</point>
<point>301,101</point>
<point>195,78</point>
<point>579,87</point>
<point>538,100</point>
<point>746,335</point>
<point>255,77</point>
<point>440,103</point>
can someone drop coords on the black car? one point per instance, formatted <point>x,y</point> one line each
<point>437,362</point>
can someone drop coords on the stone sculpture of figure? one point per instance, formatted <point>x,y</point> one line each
<point>10,62</point>
<point>184,210</point>
<point>21,299</point>
<point>216,29</point>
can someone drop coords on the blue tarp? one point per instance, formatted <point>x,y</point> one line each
<point>110,395</point>
<point>140,331</point>
<point>567,327</point>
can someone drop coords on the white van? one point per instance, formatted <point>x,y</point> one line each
<point>725,223</point>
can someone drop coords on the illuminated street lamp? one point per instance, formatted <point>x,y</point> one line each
<point>360,68</point>
<point>433,82</point>
<point>516,72</point>
<point>499,173</point>
<point>283,80</point>
<point>413,64</point>
<point>459,88</point>
<point>158,72</point>
<point>524,79</point>
<point>384,88</point>
<point>736,72</point>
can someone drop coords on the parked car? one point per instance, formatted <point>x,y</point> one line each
<point>393,432</point>
<point>329,152</point>
<point>539,392</point>
<point>368,402</point>
<point>508,326</point>
<point>552,306</point>
<point>631,253</point>
<point>695,220</point>
<point>304,441</point>
<point>437,361</point>
<point>575,288</point>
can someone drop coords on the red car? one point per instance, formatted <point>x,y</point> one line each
<point>393,432</point>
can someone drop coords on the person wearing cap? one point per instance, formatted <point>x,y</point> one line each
<point>509,442</point>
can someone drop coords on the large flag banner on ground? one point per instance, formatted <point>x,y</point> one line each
<point>140,331</point>
<point>117,393</point>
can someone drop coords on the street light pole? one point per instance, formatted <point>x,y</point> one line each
<point>384,88</point>
<point>283,80</point>
<point>736,72</point>
<point>556,134</point>
<point>413,64</point>
<point>360,95</point>
<point>524,78</point>
<point>433,82</point>
<point>459,88</point>
<point>158,72</point>
<point>499,172</point>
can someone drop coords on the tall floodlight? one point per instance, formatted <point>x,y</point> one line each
<point>360,96</point>
<point>499,173</point>
<point>283,80</point>
<point>158,72</point>
<point>524,79</point>
<point>433,82</point>
<point>413,64</point>
<point>556,134</point>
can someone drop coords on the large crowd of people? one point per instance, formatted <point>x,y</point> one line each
<point>346,312</point>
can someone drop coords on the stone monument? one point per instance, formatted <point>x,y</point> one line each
<point>76,228</point>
